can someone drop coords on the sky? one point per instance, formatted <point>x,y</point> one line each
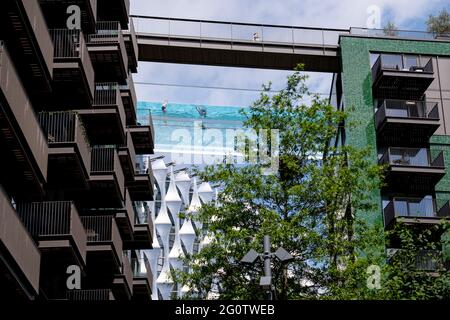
<point>406,14</point>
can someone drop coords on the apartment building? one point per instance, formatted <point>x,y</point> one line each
<point>69,140</point>
<point>398,90</point>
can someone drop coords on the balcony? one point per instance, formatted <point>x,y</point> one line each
<point>24,145</point>
<point>414,211</point>
<point>397,76</point>
<point>129,99</point>
<point>55,12</point>
<point>90,295</point>
<point>105,124</point>
<point>412,169</point>
<point>57,228</point>
<point>142,138</point>
<point>19,253</point>
<point>406,122</point>
<point>143,228</point>
<point>114,10</point>
<point>108,52</point>
<point>107,180</point>
<point>73,71</point>
<point>25,30</point>
<point>69,150</point>
<point>125,219</point>
<point>142,279</point>
<point>132,47</point>
<point>104,250</point>
<point>123,281</point>
<point>141,188</point>
<point>127,156</point>
<point>428,261</point>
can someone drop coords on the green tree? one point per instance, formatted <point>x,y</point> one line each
<point>439,24</point>
<point>390,29</point>
<point>319,206</point>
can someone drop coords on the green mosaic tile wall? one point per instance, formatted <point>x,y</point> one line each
<point>357,87</point>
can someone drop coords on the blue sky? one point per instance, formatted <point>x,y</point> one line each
<point>407,14</point>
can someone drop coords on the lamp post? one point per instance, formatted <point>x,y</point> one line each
<point>266,280</point>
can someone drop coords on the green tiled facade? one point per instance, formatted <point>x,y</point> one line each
<point>358,99</point>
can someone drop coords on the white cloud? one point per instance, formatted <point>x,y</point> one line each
<point>325,13</point>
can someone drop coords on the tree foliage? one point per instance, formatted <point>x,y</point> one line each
<point>319,206</point>
<point>439,24</point>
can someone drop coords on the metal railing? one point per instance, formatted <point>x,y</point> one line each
<point>402,34</point>
<point>66,128</point>
<point>47,218</point>
<point>410,109</point>
<point>107,94</point>
<point>141,269</point>
<point>105,160</point>
<point>54,219</point>
<point>70,44</point>
<point>413,157</point>
<point>402,63</point>
<point>100,229</point>
<point>236,32</point>
<point>428,260</point>
<point>415,208</point>
<point>130,87</point>
<point>90,295</point>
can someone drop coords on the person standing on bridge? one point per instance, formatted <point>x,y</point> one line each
<point>256,37</point>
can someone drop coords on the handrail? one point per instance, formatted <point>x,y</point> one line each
<point>234,32</point>
<point>236,23</point>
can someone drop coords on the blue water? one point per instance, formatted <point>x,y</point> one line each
<point>187,117</point>
<point>189,111</point>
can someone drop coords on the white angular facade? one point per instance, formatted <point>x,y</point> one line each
<point>176,193</point>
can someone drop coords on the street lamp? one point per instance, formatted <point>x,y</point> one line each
<point>266,281</point>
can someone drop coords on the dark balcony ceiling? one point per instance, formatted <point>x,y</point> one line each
<point>16,30</point>
<point>103,126</point>
<point>142,139</point>
<point>406,132</point>
<point>141,189</point>
<point>114,10</point>
<point>401,84</point>
<point>55,13</point>
<point>412,179</point>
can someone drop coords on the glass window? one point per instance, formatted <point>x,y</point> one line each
<point>392,61</point>
<point>411,62</point>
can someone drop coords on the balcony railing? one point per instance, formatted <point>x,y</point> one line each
<point>398,62</point>
<point>90,295</point>
<point>422,260</point>
<point>400,34</point>
<point>414,208</point>
<point>101,229</point>
<point>66,128</point>
<point>412,157</point>
<point>141,269</point>
<point>130,87</point>
<point>107,94</point>
<point>54,219</point>
<point>409,109</point>
<point>70,44</point>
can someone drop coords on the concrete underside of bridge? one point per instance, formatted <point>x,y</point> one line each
<point>238,54</point>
